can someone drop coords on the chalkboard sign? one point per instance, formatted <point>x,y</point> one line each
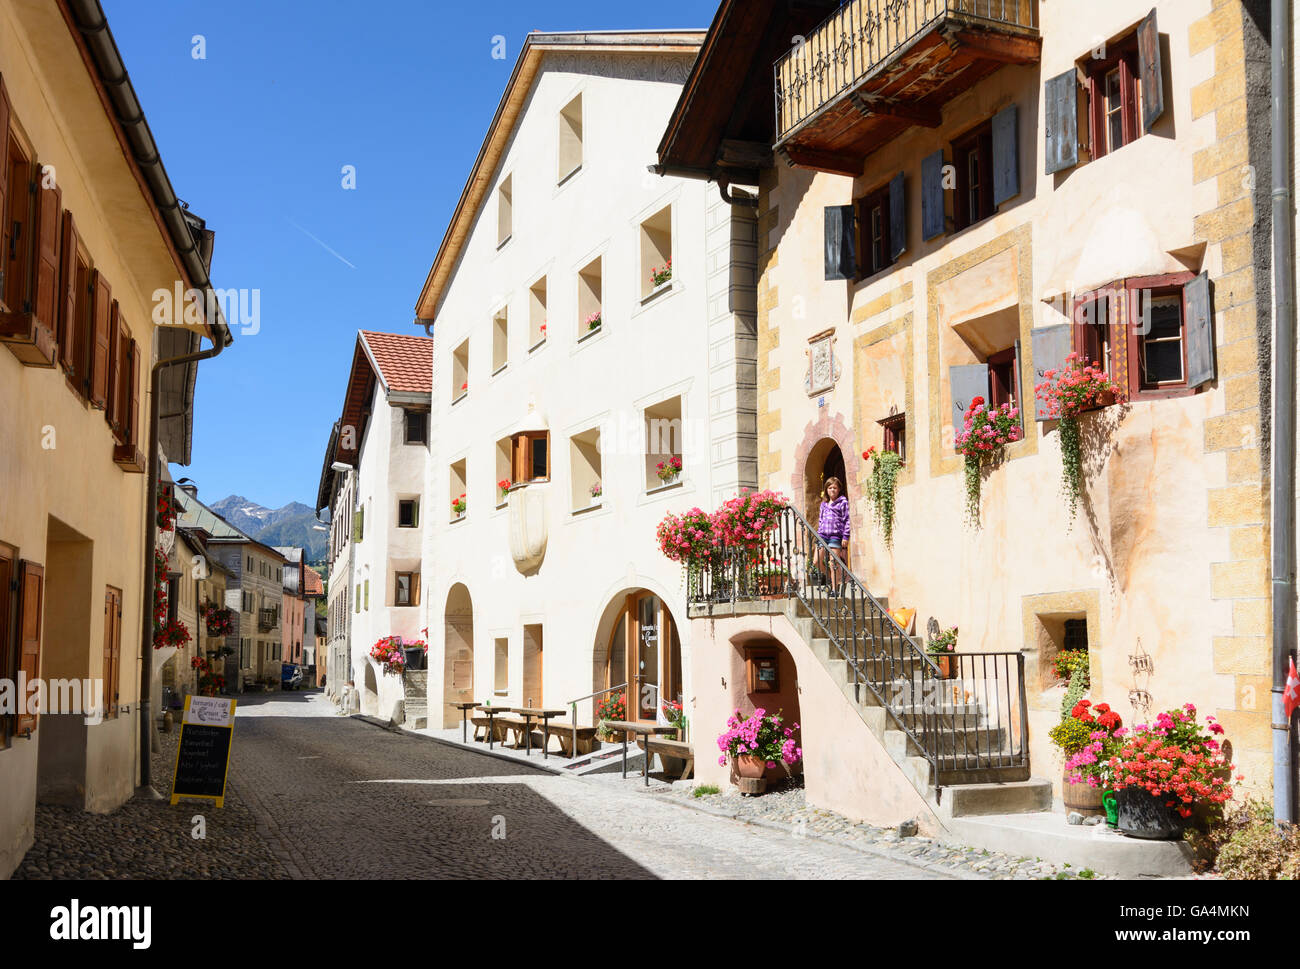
<point>203,754</point>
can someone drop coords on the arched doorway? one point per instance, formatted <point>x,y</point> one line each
<point>457,652</point>
<point>764,676</point>
<point>642,650</point>
<point>825,460</point>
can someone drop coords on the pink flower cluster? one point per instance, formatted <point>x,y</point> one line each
<point>760,736</point>
<point>984,430</point>
<point>1077,387</point>
<point>742,522</point>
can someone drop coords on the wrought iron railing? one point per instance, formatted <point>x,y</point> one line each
<point>860,36</point>
<point>965,712</point>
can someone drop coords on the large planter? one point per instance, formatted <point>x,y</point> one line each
<point>1083,798</point>
<point>1146,816</point>
<point>747,765</point>
<point>773,586</point>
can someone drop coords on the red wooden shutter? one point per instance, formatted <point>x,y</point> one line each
<point>31,595</point>
<point>49,205</point>
<point>133,409</point>
<point>67,327</point>
<point>100,305</point>
<point>113,410</point>
<point>4,169</point>
<point>122,399</point>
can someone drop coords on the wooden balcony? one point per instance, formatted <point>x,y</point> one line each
<point>875,68</point>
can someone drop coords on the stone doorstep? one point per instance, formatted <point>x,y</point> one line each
<point>1046,835</point>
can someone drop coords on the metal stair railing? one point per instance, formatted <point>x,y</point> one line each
<point>936,709</point>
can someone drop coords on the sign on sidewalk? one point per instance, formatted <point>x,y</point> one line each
<point>203,753</point>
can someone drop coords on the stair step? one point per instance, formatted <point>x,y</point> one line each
<point>1012,797</point>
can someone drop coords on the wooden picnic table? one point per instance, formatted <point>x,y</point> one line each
<point>631,728</point>
<point>464,709</point>
<point>535,713</point>
<point>492,711</point>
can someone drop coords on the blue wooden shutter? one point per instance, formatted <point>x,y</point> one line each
<point>897,217</point>
<point>1006,155</point>
<point>1050,346</point>
<point>841,259</point>
<point>965,384</point>
<point>1061,121</point>
<point>1151,71</point>
<point>932,220</point>
<point>1199,331</point>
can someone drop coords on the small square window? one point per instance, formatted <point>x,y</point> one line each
<point>406,589</point>
<point>895,433</point>
<point>973,159</point>
<point>408,513</point>
<point>417,427</point>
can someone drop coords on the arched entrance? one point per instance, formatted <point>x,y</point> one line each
<point>825,460</point>
<point>643,650</point>
<point>764,676</point>
<point>457,652</point>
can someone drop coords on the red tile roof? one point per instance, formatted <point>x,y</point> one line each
<point>405,362</point>
<point>312,586</point>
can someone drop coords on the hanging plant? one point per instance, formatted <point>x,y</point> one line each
<point>983,434</point>
<point>1065,394</point>
<point>881,488</point>
<point>166,510</point>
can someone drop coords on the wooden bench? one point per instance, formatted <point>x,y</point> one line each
<point>565,733</point>
<point>676,749</point>
<point>481,728</point>
<point>516,728</point>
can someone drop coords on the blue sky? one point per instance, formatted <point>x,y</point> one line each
<point>255,136</point>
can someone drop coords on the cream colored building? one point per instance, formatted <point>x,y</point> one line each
<point>91,231</point>
<point>932,211</point>
<point>568,364</point>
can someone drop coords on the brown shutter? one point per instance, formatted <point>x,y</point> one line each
<point>122,404</point>
<point>67,327</point>
<point>49,206</point>
<point>31,595</point>
<point>113,412</point>
<point>1151,71</point>
<point>133,409</point>
<point>101,312</point>
<point>112,649</point>
<point>415,588</point>
<point>4,170</point>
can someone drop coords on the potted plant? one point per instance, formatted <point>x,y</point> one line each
<point>942,649</point>
<point>675,715</point>
<point>458,506</point>
<point>1089,737</point>
<point>983,434</point>
<point>757,743</point>
<point>661,274</point>
<point>596,492</point>
<point>772,579</point>
<point>415,654</point>
<point>166,510</point>
<point>503,486</point>
<point>881,488</point>
<point>669,470</point>
<point>614,709</point>
<point>593,322</point>
<point>1065,394</point>
<point>1165,771</point>
<point>388,653</point>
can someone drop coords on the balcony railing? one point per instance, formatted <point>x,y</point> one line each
<point>862,35</point>
<point>267,619</point>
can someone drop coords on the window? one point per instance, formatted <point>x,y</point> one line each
<point>590,295</point>
<point>1161,354</point>
<point>873,233</point>
<point>416,426</point>
<point>460,372</point>
<point>505,469</point>
<point>1092,321</point>
<point>408,513</point>
<point>663,436</point>
<point>1115,99</point>
<point>406,589</point>
<point>505,211</point>
<point>537,314</point>
<point>895,433</point>
<point>500,340</point>
<point>656,252</point>
<point>570,143</point>
<point>584,459</point>
<point>1076,634</point>
<point>457,496</point>
<point>1003,382</point>
<point>531,456</point>
<point>973,159</point>
<point>501,666</point>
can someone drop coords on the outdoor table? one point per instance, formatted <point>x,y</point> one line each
<point>530,714</point>
<point>491,711</point>
<point>641,730</point>
<point>464,709</point>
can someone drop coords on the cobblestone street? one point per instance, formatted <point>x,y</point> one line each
<point>315,795</point>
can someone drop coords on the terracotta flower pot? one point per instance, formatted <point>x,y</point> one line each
<point>947,663</point>
<point>773,586</point>
<point>1082,798</point>
<point>747,765</point>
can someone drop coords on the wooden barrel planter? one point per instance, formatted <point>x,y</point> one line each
<point>1082,798</point>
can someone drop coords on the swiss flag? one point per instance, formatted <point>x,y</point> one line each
<point>1292,695</point>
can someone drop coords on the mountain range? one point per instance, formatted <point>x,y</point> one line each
<point>291,524</point>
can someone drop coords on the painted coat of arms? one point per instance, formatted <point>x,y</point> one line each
<point>823,368</point>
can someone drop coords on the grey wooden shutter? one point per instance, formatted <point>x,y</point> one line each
<point>1151,71</point>
<point>932,222</point>
<point>897,217</point>
<point>1006,155</point>
<point>1050,346</point>
<point>1061,120</point>
<point>841,260</point>
<point>965,384</point>
<point>1199,331</point>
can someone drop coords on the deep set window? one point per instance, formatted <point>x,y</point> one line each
<point>408,513</point>
<point>406,589</point>
<point>416,427</point>
<point>973,159</point>
<point>532,456</point>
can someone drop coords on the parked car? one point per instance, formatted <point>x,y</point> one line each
<point>290,676</point>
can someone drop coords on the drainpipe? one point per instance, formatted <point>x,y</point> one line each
<point>1284,408</point>
<point>146,627</point>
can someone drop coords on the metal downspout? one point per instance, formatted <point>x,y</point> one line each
<point>1284,408</point>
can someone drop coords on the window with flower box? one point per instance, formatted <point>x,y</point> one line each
<point>537,314</point>
<point>460,372</point>
<point>590,295</point>
<point>656,252</point>
<point>894,428</point>
<point>664,454</point>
